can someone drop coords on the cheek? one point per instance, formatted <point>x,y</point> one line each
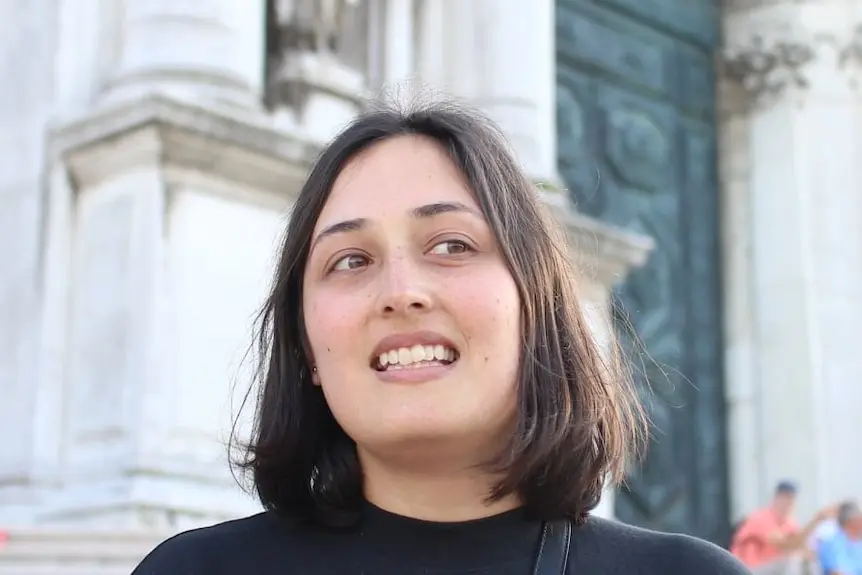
<point>490,311</point>
<point>329,323</point>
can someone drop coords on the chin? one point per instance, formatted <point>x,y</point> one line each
<point>395,432</point>
<point>399,425</point>
<point>429,440</point>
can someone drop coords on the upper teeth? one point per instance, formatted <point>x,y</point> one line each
<point>415,354</point>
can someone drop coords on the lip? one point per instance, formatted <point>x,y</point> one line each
<point>415,374</point>
<point>408,340</point>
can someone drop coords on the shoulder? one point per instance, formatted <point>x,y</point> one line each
<point>759,517</point>
<point>609,546</point>
<point>759,522</point>
<point>221,548</point>
<point>831,550</point>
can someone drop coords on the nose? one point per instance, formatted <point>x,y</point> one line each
<point>403,288</point>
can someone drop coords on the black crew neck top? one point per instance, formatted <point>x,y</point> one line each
<point>388,544</point>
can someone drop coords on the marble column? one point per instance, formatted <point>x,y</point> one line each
<point>202,50</point>
<point>430,49</point>
<point>399,47</point>
<point>792,102</point>
<point>517,81</point>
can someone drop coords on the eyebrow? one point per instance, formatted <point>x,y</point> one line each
<point>421,212</point>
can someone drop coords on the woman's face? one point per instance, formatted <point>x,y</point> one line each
<point>410,310</point>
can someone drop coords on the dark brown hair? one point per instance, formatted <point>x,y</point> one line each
<point>578,418</point>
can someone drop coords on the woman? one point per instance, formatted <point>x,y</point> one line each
<point>432,399</point>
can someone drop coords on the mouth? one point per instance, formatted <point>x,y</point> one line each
<point>414,357</point>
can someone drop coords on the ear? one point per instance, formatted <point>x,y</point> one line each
<point>315,377</point>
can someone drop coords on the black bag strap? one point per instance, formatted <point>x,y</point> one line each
<point>552,558</point>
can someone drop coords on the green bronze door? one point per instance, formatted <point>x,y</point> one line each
<point>637,145</point>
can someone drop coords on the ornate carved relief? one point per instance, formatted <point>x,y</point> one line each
<point>578,165</point>
<point>636,147</point>
<point>768,69</point>
<point>312,44</point>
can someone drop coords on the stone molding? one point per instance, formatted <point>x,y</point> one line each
<point>241,148</point>
<point>604,254</point>
<point>294,80</point>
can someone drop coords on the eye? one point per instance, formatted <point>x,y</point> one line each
<point>349,262</point>
<point>450,248</point>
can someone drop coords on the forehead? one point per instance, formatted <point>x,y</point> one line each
<point>393,177</point>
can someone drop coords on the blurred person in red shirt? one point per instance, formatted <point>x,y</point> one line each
<point>770,541</point>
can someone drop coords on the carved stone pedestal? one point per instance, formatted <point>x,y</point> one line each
<point>165,217</point>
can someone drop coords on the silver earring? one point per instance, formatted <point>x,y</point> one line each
<point>314,370</point>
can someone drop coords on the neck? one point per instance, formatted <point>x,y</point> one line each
<point>443,495</point>
<point>780,513</point>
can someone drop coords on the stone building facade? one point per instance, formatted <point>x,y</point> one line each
<point>151,149</point>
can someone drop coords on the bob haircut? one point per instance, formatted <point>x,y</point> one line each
<point>578,418</point>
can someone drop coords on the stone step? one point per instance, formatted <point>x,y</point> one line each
<point>59,569</point>
<point>79,552</point>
